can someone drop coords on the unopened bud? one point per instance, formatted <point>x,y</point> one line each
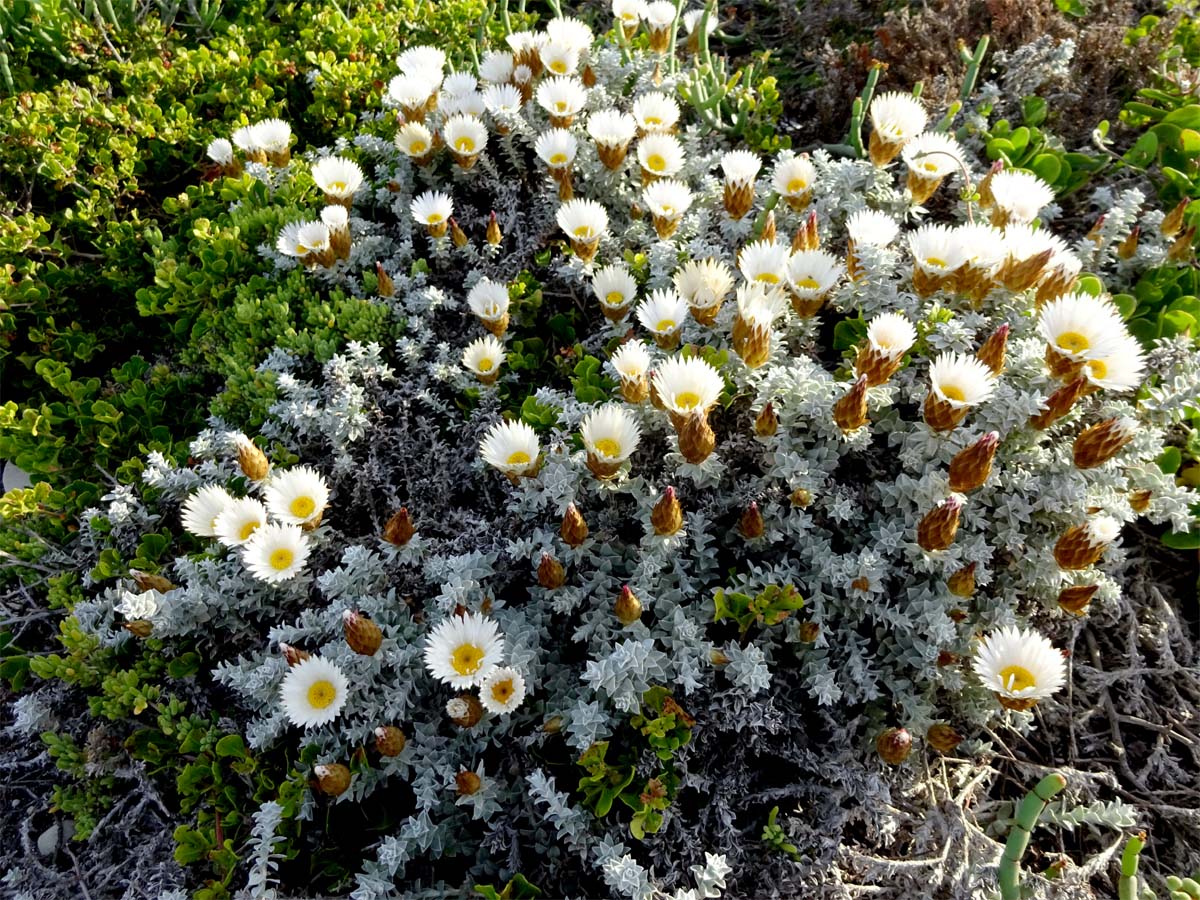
<point>574,530</point>
<point>1096,229</point>
<point>467,783</point>
<point>1181,248</point>
<point>850,411</point>
<point>767,422</point>
<point>362,635</point>
<point>942,738</point>
<point>1139,501</point>
<point>1059,403</point>
<point>252,461</point>
<point>894,745</point>
<point>389,740</point>
<point>147,581</point>
<point>696,439</point>
<point>385,286</point>
<point>494,237</point>
<point>399,528</point>
<point>553,725</point>
<point>465,710</point>
<point>628,608</point>
<point>751,523</point>
<point>806,237</point>
<point>718,657</point>
<point>1075,600</point>
<point>1099,443</point>
<point>962,582</point>
<point>1128,247</point>
<point>139,628</point>
<point>948,657</point>
<point>991,354</point>
<point>809,632</point>
<point>937,528</point>
<point>972,465</point>
<point>667,514</point>
<point>768,232</point>
<point>332,778</point>
<point>293,655</point>
<point>861,583</point>
<point>800,498</point>
<point>457,235</point>
<point>1172,222</point>
<point>550,573</point>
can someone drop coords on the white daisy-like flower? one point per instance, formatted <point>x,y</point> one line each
<point>414,140</point>
<point>740,167</point>
<point>583,220</point>
<point>274,135</point>
<point>765,262</point>
<point>891,335</point>
<point>1019,664</point>
<point>614,286</point>
<point>611,433</point>
<point>667,198</point>
<point>703,283</point>
<point>1080,326</point>
<point>936,249</point>
<point>559,59</point>
<point>632,360</point>
<point>488,299</point>
<point>663,312</point>
<point>813,273</point>
<point>556,148</point>
<point>758,306</point>
<point>298,239</point>
<point>897,117</point>
<point>502,691</point>
<point>134,606</point>
<point>201,510</point>
<point>981,245</point>
<point>561,97</point>
<point>470,104</point>
<point>629,12</point>
<point>410,92</point>
<point>659,14</point>
<point>463,650</point>
<point>1022,242</point>
<point>687,386</point>
<point>570,32</point>
<point>423,61</point>
<point>496,67</point>
<point>660,154</point>
<point>335,218</point>
<point>484,357</point>
<point>511,447</point>
<point>338,178</point>
<point>1102,530</point>
<point>502,100</point>
<point>313,692</point>
<point>870,228</point>
<point>465,135</point>
<point>220,151</point>
<point>276,552</point>
<point>932,156</point>
<point>432,208</point>
<point>246,139</point>
<point>298,495</point>
<point>961,380</point>
<point>611,128</point>
<point>655,111</point>
<point>794,176</point>
<point>456,84</point>
<point>239,520</point>
<point>1120,369</point>
<point>691,19</point>
<point>1019,196</point>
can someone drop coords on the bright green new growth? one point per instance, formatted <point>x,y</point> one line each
<point>1127,887</point>
<point>1027,816</point>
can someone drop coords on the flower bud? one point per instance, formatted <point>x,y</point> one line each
<point>467,783</point>
<point>809,632</point>
<point>1139,501</point>
<point>769,231</point>
<point>962,582</point>
<point>147,581</point>
<point>972,465</point>
<point>1059,403</point>
<point>494,237</point>
<point>767,422</point>
<point>991,354</point>
<point>800,498</point>
<point>628,608</point>
<point>861,583</point>
<point>293,655</point>
<point>399,528</point>
<point>574,529</point>
<point>850,411</point>
<point>465,710</point>
<point>1099,443</point>
<point>253,462</point>
<point>386,287</point>
<point>1094,233</point>
<point>1128,247</point>
<point>1082,545</point>
<point>807,237</point>
<point>550,573</point>
<point>984,190</point>
<point>667,514</point>
<point>937,529</point>
<point>751,522</point>
<point>1075,600</point>
<point>553,725</point>
<point>363,635</point>
<point>894,745</point>
<point>457,235</point>
<point>718,657</point>
<point>696,438</point>
<point>942,738</point>
<point>1172,222</point>
<point>389,740</point>
<point>946,657</point>
<point>332,778</point>
<point>1180,250</point>
<point>139,628</point>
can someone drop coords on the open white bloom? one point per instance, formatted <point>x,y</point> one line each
<point>339,178</point>
<point>1019,196</point>
<point>309,237</point>
<point>663,312</point>
<point>659,14</point>
<point>424,61</point>
<point>288,243</point>
<point>570,32</point>
<point>981,245</point>
<point>414,140</point>
<point>246,139</point>
<point>610,128</point>
<point>511,447</point>
<point>961,380</point>
<point>432,208</point>
<point>764,261</point>
<point>502,691</point>
<point>502,100</point>
<point>470,104</point>
<point>239,520</point>
<point>523,42</point>
<point>410,92</point>
<point>870,228</point>
<point>740,167</point>
<point>488,299</point>
<point>465,135</point>
<point>936,249</point>
<point>462,650</point>
<point>276,552</point>
<point>335,218</point>
<point>484,356</point>
<point>932,156</point>
<point>1080,326</point>
<point>794,176</point>
<point>611,432</point>
<point>298,495</point>
<point>562,96</point>
<point>1022,242</point>
<point>897,117</point>
<point>274,135</point>
<point>660,154</point>
<point>655,111</point>
<point>813,273</point>
<point>1019,664</point>
<point>632,360</point>
<point>891,335</point>
<point>703,283</point>
<point>201,510</point>
<point>496,67</point>
<point>556,148</point>
<point>1121,368</point>
<point>583,220</point>
<point>629,12</point>
<point>687,386</point>
<point>691,19</point>
<point>759,306</point>
<point>457,84</point>
<point>667,198</point>
<point>313,692</point>
<point>614,286</point>
<point>559,59</point>
<point>220,151</point>
<point>135,606</point>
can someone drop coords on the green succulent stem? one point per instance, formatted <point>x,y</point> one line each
<point>858,111</point>
<point>1028,813</point>
<point>1127,887</point>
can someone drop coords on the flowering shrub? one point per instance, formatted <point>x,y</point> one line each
<point>685,468</point>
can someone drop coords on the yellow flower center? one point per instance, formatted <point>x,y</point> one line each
<point>950,392</point>
<point>558,159</point>
<point>665,325</point>
<point>608,447</point>
<point>303,507</point>
<point>666,211</point>
<point>561,106</point>
<point>464,144</point>
<point>558,67</point>
<point>808,283</point>
<point>337,187</point>
<point>1098,368</point>
<point>433,219</point>
<point>936,261</point>
<point>281,559</point>
<point>653,120</point>
<point>301,250</point>
<point>929,166</point>
<point>614,298</point>
<point>417,147</point>
<point>247,530</point>
<point>485,365</point>
<point>796,185</point>
<point>656,163</point>
<point>321,694</point>
<point>1017,678</point>
<point>629,17</point>
<point>687,400</point>
<point>583,232</point>
<point>1073,342</point>
<point>518,458</point>
<point>466,659</point>
<point>502,691</point>
<point>767,277</point>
